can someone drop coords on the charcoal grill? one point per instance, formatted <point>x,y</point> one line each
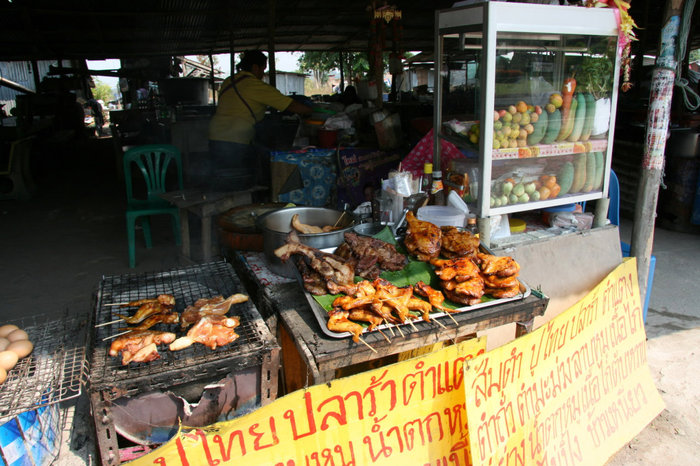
<point>110,380</point>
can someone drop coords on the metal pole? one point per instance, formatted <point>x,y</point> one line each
<point>655,144</point>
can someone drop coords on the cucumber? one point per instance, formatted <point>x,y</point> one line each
<point>599,170</point>
<point>579,173</point>
<point>579,118</point>
<point>540,128</point>
<point>553,127</point>
<point>590,117</point>
<point>591,172</point>
<point>565,177</point>
<point>567,124</point>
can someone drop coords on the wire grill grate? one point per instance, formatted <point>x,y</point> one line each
<point>186,285</point>
<point>55,370</point>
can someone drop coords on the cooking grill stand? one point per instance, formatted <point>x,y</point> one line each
<point>109,380</point>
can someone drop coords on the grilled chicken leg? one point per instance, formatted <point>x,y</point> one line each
<point>211,331</point>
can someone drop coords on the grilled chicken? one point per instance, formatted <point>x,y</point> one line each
<point>507,292</point>
<point>310,229</point>
<point>461,269</point>
<point>457,243</point>
<point>338,322</point>
<point>435,297</point>
<point>423,239</point>
<point>131,345</point>
<point>163,318</point>
<point>474,287</point>
<point>145,311</point>
<point>366,315</point>
<point>217,306</point>
<point>502,266</point>
<point>210,331</point>
<point>164,299</point>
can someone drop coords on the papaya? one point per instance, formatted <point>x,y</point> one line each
<point>538,133</point>
<point>590,172</point>
<point>579,118</point>
<point>579,173</point>
<point>555,191</point>
<point>567,122</point>
<point>553,127</point>
<point>565,177</point>
<point>599,170</point>
<point>590,118</point>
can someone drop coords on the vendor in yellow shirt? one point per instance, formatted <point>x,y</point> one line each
<point>243,99</point>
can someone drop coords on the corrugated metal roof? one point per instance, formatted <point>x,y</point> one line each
<point>127,28</point>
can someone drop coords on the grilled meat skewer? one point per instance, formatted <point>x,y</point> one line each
<point>146,310</point>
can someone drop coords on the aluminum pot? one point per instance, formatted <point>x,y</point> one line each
<point>276,225</point>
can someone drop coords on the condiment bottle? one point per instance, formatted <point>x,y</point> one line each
<point>437,193</point>
<point>471,225</point>
<point>427,178</point>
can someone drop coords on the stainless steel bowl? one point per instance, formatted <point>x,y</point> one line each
<point>368,229</point>
<point>276,225</point>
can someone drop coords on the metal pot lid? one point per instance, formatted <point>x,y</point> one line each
<point>242,219</point>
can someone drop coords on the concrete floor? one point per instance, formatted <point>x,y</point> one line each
<point>56,247</point>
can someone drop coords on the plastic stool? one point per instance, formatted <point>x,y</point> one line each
<point>650,279</point>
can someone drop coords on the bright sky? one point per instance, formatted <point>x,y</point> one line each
<point>285,61</point>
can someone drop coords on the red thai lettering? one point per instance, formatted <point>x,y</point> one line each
<point>226,451</point>
<point>273,433</point>
<point>339,414</point>
<point>311,422</point>
<point>409,433</point>
<point>383,449</point>
<point>410,383</point>
<point>351,460</point>
<point>456,423</point>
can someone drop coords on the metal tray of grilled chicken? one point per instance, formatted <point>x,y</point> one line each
<point>321,314</point>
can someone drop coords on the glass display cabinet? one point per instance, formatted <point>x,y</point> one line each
<point>528,92</point>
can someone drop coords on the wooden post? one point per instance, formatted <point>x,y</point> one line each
<point>211,77</point>
<point>342,74</point>
<point>655,144</point>
<point>272,73</point>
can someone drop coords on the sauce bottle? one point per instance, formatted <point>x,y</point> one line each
<point>437,192</point>
<point>427,181</point>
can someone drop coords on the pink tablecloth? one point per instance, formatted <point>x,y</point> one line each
<point>422,153</point>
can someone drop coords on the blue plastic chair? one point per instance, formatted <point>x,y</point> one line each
<point>153,162</point>
<point>614,217</point>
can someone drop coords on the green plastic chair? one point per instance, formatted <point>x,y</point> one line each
<point>153,161</point>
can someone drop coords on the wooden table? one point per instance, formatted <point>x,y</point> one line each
<point>311,357</point>
<point>204,205</point>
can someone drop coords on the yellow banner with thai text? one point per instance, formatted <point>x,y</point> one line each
<point>411,412</point>
<point>574,391</point>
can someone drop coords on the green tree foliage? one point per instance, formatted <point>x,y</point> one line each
<point>102,91</point>
<point>320,64</point>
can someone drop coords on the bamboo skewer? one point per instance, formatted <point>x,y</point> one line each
<point>399,329</point>
<point>410,322</point>
<point>116,304</point>
<point>109,323</point>
<point>366,344</point>
<point>390,329</point>
<point>384,335</point>
<point>453,319</point>
<point>116,335</point>
<point>339,219</point>
<point>440,324</point>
